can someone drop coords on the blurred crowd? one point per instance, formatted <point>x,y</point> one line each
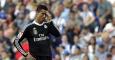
<point>87,28</point>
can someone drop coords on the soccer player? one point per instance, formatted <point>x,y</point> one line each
<point>37,35</point>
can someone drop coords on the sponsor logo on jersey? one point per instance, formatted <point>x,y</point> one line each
<point>41,38</point>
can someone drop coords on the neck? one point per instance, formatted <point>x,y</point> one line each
<point>39,22</point>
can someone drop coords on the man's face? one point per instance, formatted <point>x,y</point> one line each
<point>85,7</point>
<point>113,51</point>
<point>101,50</point>
<point>41,15</point>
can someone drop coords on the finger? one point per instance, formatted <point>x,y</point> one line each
<point>48,13</point>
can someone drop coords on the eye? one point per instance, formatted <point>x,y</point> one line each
<point>43,13</point>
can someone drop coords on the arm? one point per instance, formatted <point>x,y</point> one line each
<point>53,30</point>
<point>17,43</point>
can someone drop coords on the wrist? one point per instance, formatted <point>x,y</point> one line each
<point>25,54</point>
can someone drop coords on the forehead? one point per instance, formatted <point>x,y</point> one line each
<point>42,10</point>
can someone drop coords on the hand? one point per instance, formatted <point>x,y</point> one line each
<point>25,54</point>
<point>48,16</point>
<point>29,56</point>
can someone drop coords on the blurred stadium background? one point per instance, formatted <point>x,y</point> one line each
<point>87,28</point>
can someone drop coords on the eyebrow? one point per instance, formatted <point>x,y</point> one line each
<point>42,12</point>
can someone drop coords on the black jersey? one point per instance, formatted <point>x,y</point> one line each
<point>37,36</point>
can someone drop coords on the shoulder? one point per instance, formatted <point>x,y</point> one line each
<point>109,25</point>
<point>28,26</point>
<point>49,22</point>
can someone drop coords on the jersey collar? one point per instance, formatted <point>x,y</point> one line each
<point>38,23</point>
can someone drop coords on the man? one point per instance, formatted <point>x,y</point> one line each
<point>109,57</point>
<point>101,52</point>
<point>37,35</point>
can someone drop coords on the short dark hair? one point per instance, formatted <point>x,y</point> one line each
<point>40,7</point>
<point>108,55</point>
<point>101,46</point>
